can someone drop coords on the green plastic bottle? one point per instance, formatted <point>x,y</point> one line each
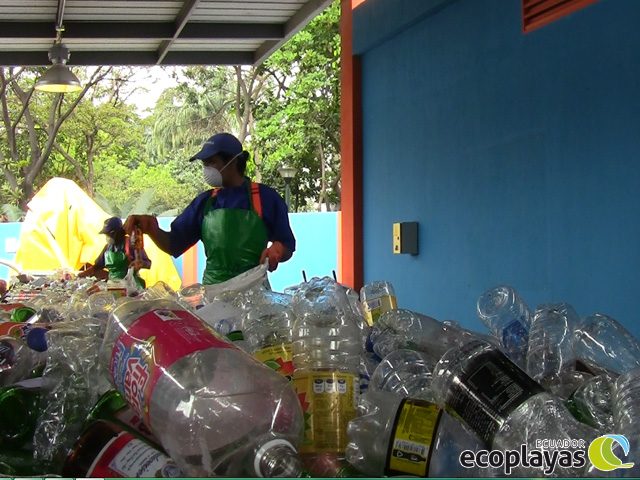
<point>20,463</point>
<point>22,314</point>
<point>18,416</point>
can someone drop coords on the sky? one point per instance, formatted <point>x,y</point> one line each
<point>152,82</point>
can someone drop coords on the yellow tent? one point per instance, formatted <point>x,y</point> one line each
<point>61,229</point>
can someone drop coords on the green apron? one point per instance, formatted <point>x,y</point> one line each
<point>117,263</point>
<point>233,238</point>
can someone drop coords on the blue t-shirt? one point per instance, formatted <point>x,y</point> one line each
<point>187,227</point>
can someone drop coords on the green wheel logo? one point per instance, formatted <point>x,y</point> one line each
<point>601,452</point>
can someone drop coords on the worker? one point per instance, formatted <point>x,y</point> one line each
<point>235,220</point>
<point>116,257</point>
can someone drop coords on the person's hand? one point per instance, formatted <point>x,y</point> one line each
<point>275,253</point>
<point>147,223</point>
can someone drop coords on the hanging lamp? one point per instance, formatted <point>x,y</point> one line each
<point>59,79</point>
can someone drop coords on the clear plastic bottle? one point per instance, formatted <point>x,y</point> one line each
<point>100,304</point>
<point>369,361</point>
<point>327,342</point>
<point>503,405</point>
<point>591,403</point>
<point>403,328</point>
<point>626,415</point>
<point>215,409</point>
<point>604,345</point>
<point>508,318</point>
<point>406,437</point>
<point>225,319</point>
<point>550,351</point>
<point>377,298</point>
<point>568,382</point>
<point>406,373</point>
<point>159,290</point>
<point>193,296</point>
<point>268,330</point>
<point>17,360</point>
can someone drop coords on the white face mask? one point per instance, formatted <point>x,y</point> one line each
<point>213,176</point>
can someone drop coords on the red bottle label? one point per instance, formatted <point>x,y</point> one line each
<point>154,342</point>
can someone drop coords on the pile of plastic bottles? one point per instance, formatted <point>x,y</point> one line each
<point>317,381</point>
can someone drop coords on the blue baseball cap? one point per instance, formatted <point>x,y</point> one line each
<point>111,225</point>
<point>219,143</point>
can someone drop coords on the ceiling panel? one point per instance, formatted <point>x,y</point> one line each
<point>148,32</point>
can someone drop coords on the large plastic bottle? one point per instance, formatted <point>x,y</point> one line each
<point>604,345</point>
<point>377,298</point>
<point>268,330</point>
<point>399,436</point>
<point>626,414</point>
<point>406,373</point>
<point>550,351</point>
<point>215,409</point>
<point>406,329</point>
<point>327,342</point>
<point>193,296</point>
<point>504,406</point>
<point>227,320</point>
<point>508,318</point>
<point>591,403</point>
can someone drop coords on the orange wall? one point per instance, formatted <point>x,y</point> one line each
<point>351,269</point>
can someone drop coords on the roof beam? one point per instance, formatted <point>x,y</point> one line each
<point>143,30</point>
<point>181,20</point>
<point>133,58</point>
<point>306,13</point>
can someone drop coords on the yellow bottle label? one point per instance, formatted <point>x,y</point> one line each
<point>374,307</point>
<point>412,437</point>
<point>329,402</point>
<point>277,357</point>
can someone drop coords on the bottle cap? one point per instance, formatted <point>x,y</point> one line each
<point>37,339</point>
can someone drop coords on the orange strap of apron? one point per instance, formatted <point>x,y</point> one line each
<point>255,197</point>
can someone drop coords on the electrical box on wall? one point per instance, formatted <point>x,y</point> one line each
<point>405,238</point>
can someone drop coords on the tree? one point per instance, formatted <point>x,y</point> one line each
<point>298,118</point>
<point>101,126</point>
<point>285,111</point>
<point>30,124</point>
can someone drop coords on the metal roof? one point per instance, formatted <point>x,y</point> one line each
<point>151,32</point>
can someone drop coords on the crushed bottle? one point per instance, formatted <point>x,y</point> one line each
<point>215,409</point>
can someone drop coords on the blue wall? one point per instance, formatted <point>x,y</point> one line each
<point>9,236</point>
<point>316,251</point>
<point>516,153</point>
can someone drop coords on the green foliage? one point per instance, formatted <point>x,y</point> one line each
<point>12,213</point>
<point>145,189</point>
<point>298,119</point>
<point>285,112</point>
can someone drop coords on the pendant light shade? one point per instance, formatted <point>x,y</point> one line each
<point>58,79</point>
